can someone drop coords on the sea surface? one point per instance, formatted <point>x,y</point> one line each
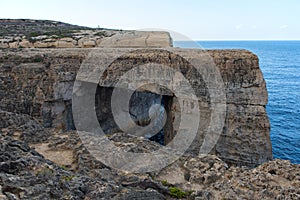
<point>280,64</point>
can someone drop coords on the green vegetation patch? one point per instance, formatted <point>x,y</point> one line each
<point>55,33</point>
<point>176,192</point>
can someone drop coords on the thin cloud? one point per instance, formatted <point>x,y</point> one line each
<point>283,26</point>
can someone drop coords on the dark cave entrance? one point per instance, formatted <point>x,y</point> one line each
<point>139,105</point>
<point>166,134</point>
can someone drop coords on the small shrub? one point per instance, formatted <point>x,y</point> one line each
<point>176,192</point>
<point>34,34</point>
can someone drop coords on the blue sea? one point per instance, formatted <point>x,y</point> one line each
<point>280,64</point>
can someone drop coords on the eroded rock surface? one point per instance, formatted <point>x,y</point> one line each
<point>42,156</point>
<point>53,34</point>
<point>28,173</point>
<point>39,82</point>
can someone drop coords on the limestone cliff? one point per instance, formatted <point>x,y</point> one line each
<point>42,157</point>
<point>40,83</point>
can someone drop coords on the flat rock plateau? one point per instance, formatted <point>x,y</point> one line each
<point>42,156</point>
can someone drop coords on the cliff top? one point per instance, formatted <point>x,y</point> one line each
<point>33,28</point>
<point>27,33</point>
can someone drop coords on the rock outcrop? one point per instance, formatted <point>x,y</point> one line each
<point>40,83</point>
<point>31,172</point>
<point>52,34</point>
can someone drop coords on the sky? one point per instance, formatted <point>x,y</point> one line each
<point>196,19</point>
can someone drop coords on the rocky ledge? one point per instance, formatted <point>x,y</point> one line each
<point>53,34</point>
<point>58,166</point>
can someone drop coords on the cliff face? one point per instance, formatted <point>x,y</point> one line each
<point>246,134</point>
<point>40,83</point>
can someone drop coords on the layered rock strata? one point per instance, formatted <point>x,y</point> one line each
<point>40,83</point>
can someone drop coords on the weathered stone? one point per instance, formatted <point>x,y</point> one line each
<point>22,127</point>
<point>4,45</point>
<point>86,43</point>
<point>48,163</point>
<point>13,45</point>
<point>137,39</point>
<point>71,36</point>
<point>25,44</point>
<point>245,138</point>
<point>40,44</point>
<point>26,174</point>
<point>65,43</point>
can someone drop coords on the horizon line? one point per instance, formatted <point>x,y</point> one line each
<point>235,40</point>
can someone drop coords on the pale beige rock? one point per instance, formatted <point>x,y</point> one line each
<point>14,45</point>
<point>65,44</point>
<point>92,38</point>
<point>86,43</point>
<point>137,39</point>
<point>25,44</point>
<point>40,44</point>
<point>4,45</point>
<point>59,156</point>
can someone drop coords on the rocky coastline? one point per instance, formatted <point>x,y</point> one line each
<point>42,156</point>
